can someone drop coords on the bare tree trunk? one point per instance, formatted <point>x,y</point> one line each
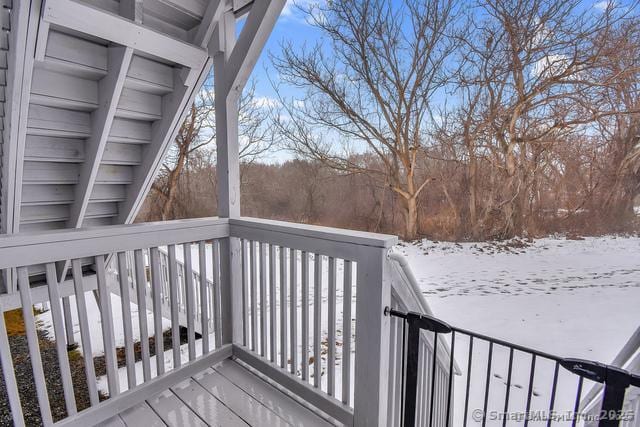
<point>473,196</point>
<point>410,217</point>
<point>172,185</point>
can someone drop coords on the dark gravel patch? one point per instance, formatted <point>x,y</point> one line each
<point>26,385</point>
<point>53,378</point>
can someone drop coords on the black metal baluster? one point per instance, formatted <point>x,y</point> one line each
<point>466,399</point>
<point>413,352</point>
<point>553,394</point>
<point>506,398</point>
<point>404,372</point>
<point>530,392</point>
<point>576,407</point>
<point>488,382</point>
<point>615,387</point>
<point>453,346</point>
<point>615,380</point>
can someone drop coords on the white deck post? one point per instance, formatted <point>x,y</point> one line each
<point>373,288</point>
<point>234,60</point>
<point>228,170</point>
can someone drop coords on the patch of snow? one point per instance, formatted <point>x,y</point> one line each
<point>95,323</point>
<point>168,367</point>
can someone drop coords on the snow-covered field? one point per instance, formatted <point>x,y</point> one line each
<point>575,298</point>
<point>571,298</point>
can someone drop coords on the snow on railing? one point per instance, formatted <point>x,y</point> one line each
<point>628,358</point>
<point>406,296</point>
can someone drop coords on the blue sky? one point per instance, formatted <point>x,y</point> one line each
<point>292,27</point>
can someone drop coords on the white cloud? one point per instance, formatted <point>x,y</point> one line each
<point>292,9</point>
<point>550,65</point>
<point>603,5</point>
<point>265,102</point>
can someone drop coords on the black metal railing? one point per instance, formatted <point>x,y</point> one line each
<point>560,406</point>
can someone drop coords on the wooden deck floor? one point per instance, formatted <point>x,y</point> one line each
<point>226,394</point>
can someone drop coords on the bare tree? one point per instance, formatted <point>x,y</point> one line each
<point>620,74</point>
<point>527,70</point>
<point>373,92</point>
<point>198,132</point>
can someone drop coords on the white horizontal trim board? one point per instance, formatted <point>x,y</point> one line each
<point>108,192</point>
<point>42,226</point>
<point>122,154</point>
<point>345,244</point>
<point>139,105</point>
<point>114,174</point>
<point>76,50</point>
<point>50,173</point>
<point>38,248</point>
<point>129,131</point>
<point>51,121</point>
<point>45,213</point>
<point>146,71</point>
<point>52,149</point>
<point>101,210</point>
<point>63,90</point>
<point>108,26</point>
<point>339,235</point>
<point>38,194</point>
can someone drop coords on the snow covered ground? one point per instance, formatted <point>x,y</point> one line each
<point>571,298</point>
<point>575,298</point>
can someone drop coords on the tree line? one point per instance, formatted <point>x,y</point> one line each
<point>457,120</point>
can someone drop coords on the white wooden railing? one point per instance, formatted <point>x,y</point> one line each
<point>20,252</point>
<point>206,255</point>
<point>406,296</point>
<point>301,304</point>
<point>311,299</point>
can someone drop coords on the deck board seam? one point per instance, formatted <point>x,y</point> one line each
<point>220,400</point>
<point>192,378</point>
<point>188,406</point>
<point>152,410</point>
<point>281,392</point>
<point>243,392</point>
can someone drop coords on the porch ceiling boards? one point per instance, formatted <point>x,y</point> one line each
<point>96,91</point>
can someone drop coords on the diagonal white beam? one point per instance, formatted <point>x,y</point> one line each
<point>234,62</point>
<point>24,57</point>
<point>163,132</point>
<point>174,111</point>
<point>202,35</point>
<point>109,91</point>
<point>132,9</point>
<point>20,20</point>
<point>16,108</point>
<point>241,61</point>
<point>108,26</point>
<point>211,17</point>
